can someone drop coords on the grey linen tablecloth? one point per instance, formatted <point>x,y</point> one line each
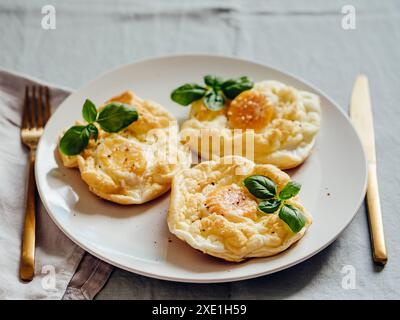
<point>304,37</point>
<point>62,269</point>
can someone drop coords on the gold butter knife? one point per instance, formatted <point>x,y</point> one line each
<point>362,119</point>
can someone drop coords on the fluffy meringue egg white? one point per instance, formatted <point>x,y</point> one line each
<point>284,122</point>
<point>213,212</point>
<point>137,164</point>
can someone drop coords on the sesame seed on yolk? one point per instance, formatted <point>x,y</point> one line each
<point>250,110</point>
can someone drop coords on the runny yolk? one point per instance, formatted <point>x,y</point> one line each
<point>250,110</point>
<point>231,200</point>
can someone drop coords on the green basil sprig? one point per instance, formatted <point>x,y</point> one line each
<point>233,87</point>
<point>89,111</point>
<point>261,187</point>
<point>116,116</point>
<point>113,117</point>
<point>213,81</point>
<point>74,140</point>
<point>213,101</point>
<point>215,92</point>
<point>188,93</point>
<point>264,189</point>
<point>293,217</point>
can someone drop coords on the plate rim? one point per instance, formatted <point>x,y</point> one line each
<point>205,280</point>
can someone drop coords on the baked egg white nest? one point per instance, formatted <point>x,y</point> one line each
<point>213,212</point>
<point>284,122</point>
<point>137,164</point>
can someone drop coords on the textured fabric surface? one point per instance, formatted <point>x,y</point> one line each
<point>89,278</point>
<point>57,259</point>
<point>303,37</point>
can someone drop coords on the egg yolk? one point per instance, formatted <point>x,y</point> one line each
<point>231,200</point>
<point>200,111</point>
<point>122,156</point>
<point>250,110</point>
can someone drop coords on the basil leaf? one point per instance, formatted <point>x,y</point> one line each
<point>213,81</point>
<point>186,94</point>
<point>233,87</point>
<point>116,116</point>
<point>291,189</point>
<point>293,217</point>
<point>93,131</point>
<point>89,111</point>
<point>213,101</point>
<point>74,140</point>
<point>269,206</point>
<point>261,187</point>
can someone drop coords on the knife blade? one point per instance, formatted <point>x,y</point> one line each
<point>362,119</point>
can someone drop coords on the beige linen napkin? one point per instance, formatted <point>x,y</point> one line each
<point>62,269</point>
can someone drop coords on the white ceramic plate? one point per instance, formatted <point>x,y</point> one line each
<point>136,238</point>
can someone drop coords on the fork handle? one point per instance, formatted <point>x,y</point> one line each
<point>375,217</point>
<point>27,263</point>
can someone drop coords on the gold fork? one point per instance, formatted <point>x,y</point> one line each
<point>36,113</point>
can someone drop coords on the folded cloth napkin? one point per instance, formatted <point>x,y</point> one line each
<point>62,269</point>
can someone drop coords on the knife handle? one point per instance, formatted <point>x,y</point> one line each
<point>375,217</point>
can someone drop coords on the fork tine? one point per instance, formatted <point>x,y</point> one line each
<point>40,108</point>
<point>25,120</point>
<point>33,111</point>
<point>47,105</point>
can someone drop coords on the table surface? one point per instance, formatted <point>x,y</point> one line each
<point>305,38</point>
